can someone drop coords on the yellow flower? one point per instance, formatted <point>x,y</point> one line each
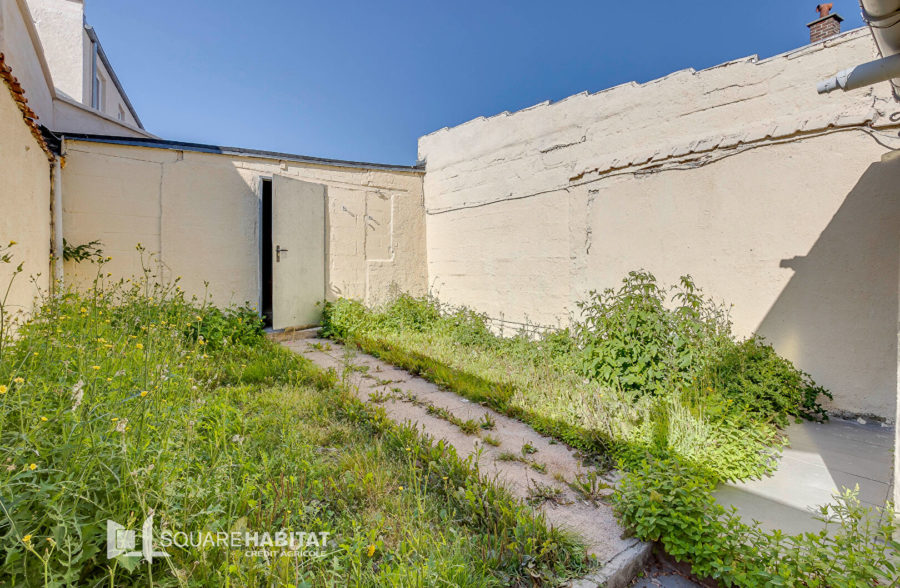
<point>83,310</point>
<point>26,538</point>
<point>95,367</point>
<point>139,345</point>
<point>198,317</point>
<point>32,467</point>
<point>43,419</point>
<point>11,243</point>
<point>19,380</point>
<point>144,393</point>
<point>371,550</point>
<point>35,354</point>
<point>401,488</point>
<point>114,419</point>
<point>205,356</point>
<point>3,389</point>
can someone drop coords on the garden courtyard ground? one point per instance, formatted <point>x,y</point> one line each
<point>822,460</point>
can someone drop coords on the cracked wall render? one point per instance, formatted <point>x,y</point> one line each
<point>200,212</point>
<point>771,196</point>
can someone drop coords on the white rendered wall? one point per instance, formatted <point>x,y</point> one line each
<point>774,198</point>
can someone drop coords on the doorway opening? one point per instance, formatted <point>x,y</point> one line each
<point>266,252</point>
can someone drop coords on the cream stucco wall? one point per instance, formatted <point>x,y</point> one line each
<point>25,202</point>
<point>200,212</point>
<point>774,198</point>
<point>60,24</point>
<point>21,48</point>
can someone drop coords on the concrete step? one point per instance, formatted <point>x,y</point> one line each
<point>292,334</point>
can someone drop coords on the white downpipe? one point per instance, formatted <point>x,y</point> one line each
<point>863,75</point>
<point>58,267</point>
<point>883,17</point>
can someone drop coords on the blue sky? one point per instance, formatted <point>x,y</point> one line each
<point>363,80</point>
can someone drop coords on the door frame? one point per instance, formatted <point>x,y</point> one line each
<point>260,180</point>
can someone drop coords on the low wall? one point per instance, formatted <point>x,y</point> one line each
<point>200,213</point>
<point>777,200</point>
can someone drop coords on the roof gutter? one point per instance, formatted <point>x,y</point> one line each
<point>883,18</point>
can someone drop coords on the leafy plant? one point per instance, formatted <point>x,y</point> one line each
<point>752,378</point>
<point>669,502</point>
<point>631,339</point>
<point>91,251</point>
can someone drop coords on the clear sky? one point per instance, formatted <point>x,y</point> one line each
<point>362,80</point>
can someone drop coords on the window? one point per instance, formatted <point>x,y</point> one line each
<point>98,87</point>
<point>121,114</point>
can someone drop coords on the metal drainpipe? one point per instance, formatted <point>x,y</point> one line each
<point>58,267</point>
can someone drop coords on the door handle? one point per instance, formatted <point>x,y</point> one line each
<point>278,250</point>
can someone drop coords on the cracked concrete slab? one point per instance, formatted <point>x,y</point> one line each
<point>547,464</point>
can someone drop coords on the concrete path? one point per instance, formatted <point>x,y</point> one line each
<point>822,460</point>
<point>531,466</point>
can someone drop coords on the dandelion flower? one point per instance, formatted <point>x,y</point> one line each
<point>19,380</point>
<point>139,345</point>
<point>198,317</point>
<point>400,488</point>
<point>43,419</point>
<point>3,389</point>
<point>26,538</point>
<point>144,393</point>
<point>95,367</point>
<point>11,243</point>
<point>32,467</point>
<point>371,551</point>
<point>114,419</point>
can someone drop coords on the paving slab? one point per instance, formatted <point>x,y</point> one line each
<point>406,398</point>
<point>823,459</point>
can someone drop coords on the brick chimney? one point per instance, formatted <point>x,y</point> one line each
<point>827,25</point>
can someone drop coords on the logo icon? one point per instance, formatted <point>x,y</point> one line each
<point>122,541</point>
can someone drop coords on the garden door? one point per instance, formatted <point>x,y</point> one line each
<point>298,252</point>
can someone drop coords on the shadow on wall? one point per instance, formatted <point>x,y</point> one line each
<point>837,317</point>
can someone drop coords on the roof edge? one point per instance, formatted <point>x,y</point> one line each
<point>238,151</point>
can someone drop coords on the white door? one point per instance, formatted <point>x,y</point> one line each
<point>298,255</point>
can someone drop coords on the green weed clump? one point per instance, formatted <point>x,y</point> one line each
<point>131,400</point>
<point>670,502</point>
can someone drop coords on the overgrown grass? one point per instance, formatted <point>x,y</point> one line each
<point>130,401</point>
<point>687,389</point>
<point>660,385</point>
